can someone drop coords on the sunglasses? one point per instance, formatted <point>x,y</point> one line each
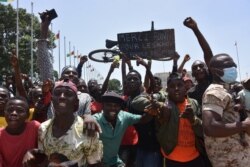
<point>195,67</point>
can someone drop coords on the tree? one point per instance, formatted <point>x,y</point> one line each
<point>56,76</point>
<point>8,38</point>
<point>114,85</point>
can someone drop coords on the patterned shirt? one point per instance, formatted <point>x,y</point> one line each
<point>224,151</point>
<point>84,103</point>
<point>75,145</point>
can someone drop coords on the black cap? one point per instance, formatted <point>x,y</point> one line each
<point>112,97</point>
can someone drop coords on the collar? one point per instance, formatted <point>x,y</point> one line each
<point>226,86</point>
<point>118,119</point>
<point>223,85</point>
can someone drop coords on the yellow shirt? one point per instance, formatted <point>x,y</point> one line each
<point>3,123</point>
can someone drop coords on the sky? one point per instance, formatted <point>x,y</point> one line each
<point>88,23</point>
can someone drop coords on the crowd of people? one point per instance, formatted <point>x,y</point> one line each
<point>195,121</point>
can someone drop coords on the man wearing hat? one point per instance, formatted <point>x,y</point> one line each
<point>114,121</point>
<point>63,133</point>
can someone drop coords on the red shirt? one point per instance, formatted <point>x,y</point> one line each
<point>95,107</point>
<point>14,147</point>
<point>130,136</point>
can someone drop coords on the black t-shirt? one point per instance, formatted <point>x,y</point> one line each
<point>197,91</point>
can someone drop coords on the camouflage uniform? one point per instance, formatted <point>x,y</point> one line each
<point>224,151</point>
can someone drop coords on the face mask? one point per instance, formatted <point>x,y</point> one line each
<point>230,75</point>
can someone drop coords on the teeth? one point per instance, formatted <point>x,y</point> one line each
<point>13,118</point>
<point>62,104</point>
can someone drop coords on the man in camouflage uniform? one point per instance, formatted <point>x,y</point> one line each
<point>221,123</point>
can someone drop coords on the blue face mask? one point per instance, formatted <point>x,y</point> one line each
<point>230,75</point>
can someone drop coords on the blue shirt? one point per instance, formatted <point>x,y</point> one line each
<point>111,136</point>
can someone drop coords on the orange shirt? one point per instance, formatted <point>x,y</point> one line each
<point>185,149</point>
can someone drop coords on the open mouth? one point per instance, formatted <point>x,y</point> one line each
<point>112,114</point>
<point>62,104</point>
<point>177,94</point>
<point>13,118</point>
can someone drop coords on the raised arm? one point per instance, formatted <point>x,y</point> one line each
<point>123,70</point>
<point>175,62</point>
<point>186,59</point>
<point>44,58</point>
<point>83,59</point>
<point>125,60</point>
<point>106,81</point>
<point>190,23</point>
<point>17,73</point>
<point>140,61</point>
<point>147,79</point>
<point>28,81</point>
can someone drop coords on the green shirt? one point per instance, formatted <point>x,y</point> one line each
<point>111,137</point>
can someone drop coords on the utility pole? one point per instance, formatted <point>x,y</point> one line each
<point>31,43</point>
<point>236,46</point>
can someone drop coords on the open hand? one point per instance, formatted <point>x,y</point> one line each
<point>91,126</point>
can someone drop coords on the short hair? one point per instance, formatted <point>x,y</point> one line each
<point>3,87</point>
<point>82,81</point>
<point>66,67</point>
<point>19,98</point>
<point>157,79</point>
<point>174,76</point>
<point>92,80</point>
<point>134,71</point>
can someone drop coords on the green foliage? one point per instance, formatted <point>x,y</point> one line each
<point>8,38</point>
<point>56,76</point>
<point>114,85</point>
